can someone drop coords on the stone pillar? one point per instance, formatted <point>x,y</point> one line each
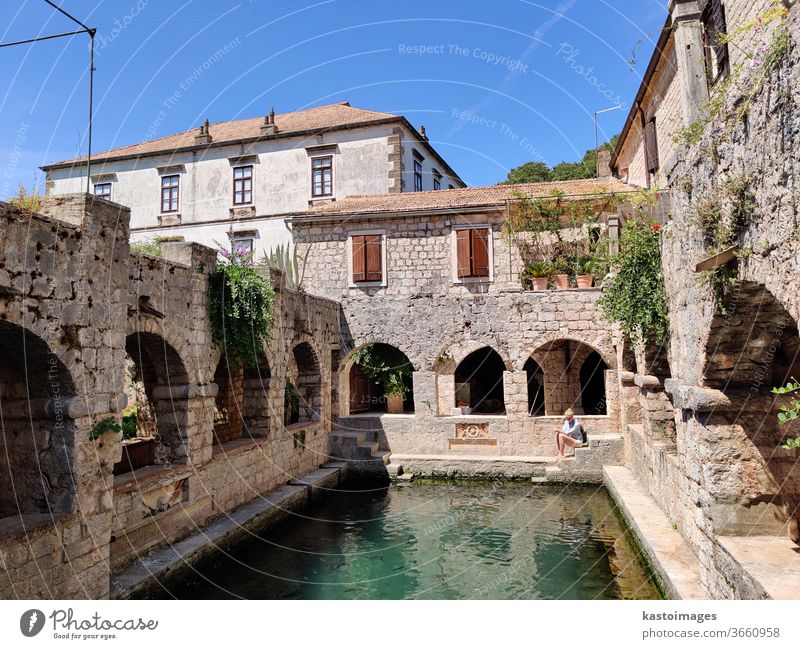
<point>691,57</point>
<point>424,394</point>
<point>515,393</point>
<point>445,394</point>
<point>613,225</point>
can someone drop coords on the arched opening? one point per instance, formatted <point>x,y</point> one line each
<point>751,349</point>
<point>593,385</point>
<point>573,378</point>
<point>241,407</point>
<point>535,380</point>
<point>157,389</point>
<point>303,396</point>
<point>380,380</point>
<point>37,444</point>
<point>479,382</point>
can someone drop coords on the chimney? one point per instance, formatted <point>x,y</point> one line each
<point>269,127</point>
<point>604,163</point>
<point>423,133</point>
<point>203,136</point>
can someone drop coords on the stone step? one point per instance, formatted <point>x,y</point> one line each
<point>349,438</point>
<point>367,450</point>
<point>383,456</point>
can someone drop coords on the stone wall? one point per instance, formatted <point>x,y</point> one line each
<point>75,308</point>
<point>706,442</point>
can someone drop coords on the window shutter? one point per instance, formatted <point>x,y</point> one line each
<point>359,259</point>
<point>374,258</point>
<point>651,146</point>
<point>721,29</point>
<point>480,252</point>
<point>462,252</point>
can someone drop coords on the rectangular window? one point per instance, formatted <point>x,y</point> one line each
<point>417,175</point>
<point>437,180</point>
<point>169,193</point>
<point>716,48</point>
<point>368,258</point>
<point>651,146</point>
<point>322,176</point>
<point>243,185</point>
<point>472,250</point>
<point>103,190</point>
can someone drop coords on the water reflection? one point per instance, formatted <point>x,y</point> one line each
<point>436,542</point>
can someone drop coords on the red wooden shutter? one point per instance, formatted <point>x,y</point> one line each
<point>651,146</point>
<point>374,258</point>
<point>463,252</point>
<point>359,258</point>
<point>480,252</point>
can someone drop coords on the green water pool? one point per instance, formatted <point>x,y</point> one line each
<point>434,541</point>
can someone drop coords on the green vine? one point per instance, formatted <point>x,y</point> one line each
<point>722,219</point>
<point>791,412</point>
<point>109,424</point>
<point>635,297</point>
<point>386,365</point>
<point>240,305</point>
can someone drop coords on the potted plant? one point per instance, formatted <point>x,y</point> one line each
<point>585,269</point>
<point>538,274</point>
<point>561,269</point>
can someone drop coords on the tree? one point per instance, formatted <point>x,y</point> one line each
<point>538,172</point>
<point>530,172</point>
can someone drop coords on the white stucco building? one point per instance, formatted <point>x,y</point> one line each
<point>235,182</point>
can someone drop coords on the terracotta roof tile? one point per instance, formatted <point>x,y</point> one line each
<point>312,119</point>
<point>469,197</point>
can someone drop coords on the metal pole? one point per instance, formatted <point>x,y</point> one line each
<point>92,32</point>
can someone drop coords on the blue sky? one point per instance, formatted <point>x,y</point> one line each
<point>496,84</point>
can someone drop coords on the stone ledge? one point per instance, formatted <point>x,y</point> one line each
<point>771,562</point>
<point>690,397</point>
<point>668,553</point>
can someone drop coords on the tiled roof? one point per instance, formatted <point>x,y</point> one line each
<point>312,119</point>
<point>462,198</point>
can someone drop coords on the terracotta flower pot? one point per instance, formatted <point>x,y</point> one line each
<point>394,404</point>
<point>584,281</point>
<point>539,283</point>
<point>562,280</point>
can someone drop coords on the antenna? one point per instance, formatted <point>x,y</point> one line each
<point>596,142</point>
<point>84,30</point>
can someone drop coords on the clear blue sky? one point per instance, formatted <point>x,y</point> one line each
<point>495,83</point>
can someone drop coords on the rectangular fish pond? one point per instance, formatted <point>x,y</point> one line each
<point>433,541</point>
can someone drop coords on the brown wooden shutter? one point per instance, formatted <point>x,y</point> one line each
<point>463,252</point>
<point>480,252</point>
<point>359,258</point>
<point>651,146</point>
<point>720,29</point>
<point>374,258</point>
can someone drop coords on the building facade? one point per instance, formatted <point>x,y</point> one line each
<point>230,182</point>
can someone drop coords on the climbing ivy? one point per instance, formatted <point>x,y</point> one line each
<point>109,424</point>
<point>791,412</point>
<point>635,296</point>
<point>240,305</point>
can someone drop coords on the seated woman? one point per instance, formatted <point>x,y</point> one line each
<point>569,434</point>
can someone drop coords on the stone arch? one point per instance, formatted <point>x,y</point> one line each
<point>241,405</point>
<point>752,348</point>
<point>534,378</point>
<point>38,442</point>
<point>561,361</point>
<point>603,347</point>
<point>478,381</point>
<point>445,365</point>
<point>305,374</point>
<point>165,387</point>
<point>358,393</point>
